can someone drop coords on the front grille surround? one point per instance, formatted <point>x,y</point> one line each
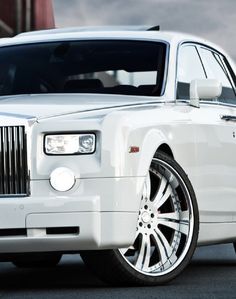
<point>14,174</point>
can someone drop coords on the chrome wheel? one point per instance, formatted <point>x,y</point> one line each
<point>165,223</point>
<point>166,233</point>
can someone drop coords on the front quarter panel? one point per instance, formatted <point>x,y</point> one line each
<point>116,132</point>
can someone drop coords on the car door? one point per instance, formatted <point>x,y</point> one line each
<point>215,163</point>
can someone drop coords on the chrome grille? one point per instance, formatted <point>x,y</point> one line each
<point>14,178</point>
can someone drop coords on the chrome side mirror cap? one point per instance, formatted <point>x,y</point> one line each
<point>204,89</point>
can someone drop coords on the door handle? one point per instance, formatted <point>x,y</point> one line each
<point>228,117</point>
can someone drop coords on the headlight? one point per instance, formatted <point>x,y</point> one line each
<point>69,144</point>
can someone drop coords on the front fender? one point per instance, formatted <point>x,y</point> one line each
<point>152,140</point>
<point>120,132</point>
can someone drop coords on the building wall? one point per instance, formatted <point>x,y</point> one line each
<point>23,15</point>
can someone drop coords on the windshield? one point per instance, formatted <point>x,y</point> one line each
<point>111,67</point>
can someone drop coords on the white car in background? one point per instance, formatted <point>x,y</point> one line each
<point>118,144</point>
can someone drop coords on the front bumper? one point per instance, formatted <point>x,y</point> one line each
<point>103,210</point>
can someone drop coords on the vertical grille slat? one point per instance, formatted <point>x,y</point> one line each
<point>1,161</point>
<point>21,177</point>
<point>15,158</point>
<point>14,178</point>
<point>5,161</point>
<point>10,174</point>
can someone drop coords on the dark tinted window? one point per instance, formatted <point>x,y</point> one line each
<point>189,68</point>
<point>122,67</point>
<point>215,69</point>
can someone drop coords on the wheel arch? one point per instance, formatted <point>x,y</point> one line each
<point>165,148</point>
<point>154,141</point>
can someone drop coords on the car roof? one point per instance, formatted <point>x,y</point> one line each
<point>92,29</point>
<point>101,32</point>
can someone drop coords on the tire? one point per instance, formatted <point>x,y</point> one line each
<point>167,231</point>
<point>37,260</point>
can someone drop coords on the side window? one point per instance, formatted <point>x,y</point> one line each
<point>189,68</point>
<point>215,69</point>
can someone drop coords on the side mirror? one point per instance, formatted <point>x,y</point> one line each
<point>204,89</point>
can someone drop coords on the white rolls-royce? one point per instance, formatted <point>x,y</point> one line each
<point>119,144</point>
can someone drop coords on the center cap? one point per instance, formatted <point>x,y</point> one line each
<point>145,217</point>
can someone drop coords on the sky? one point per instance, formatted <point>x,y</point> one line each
<point>214,20</point>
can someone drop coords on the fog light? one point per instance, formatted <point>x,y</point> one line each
<point>62,179</point>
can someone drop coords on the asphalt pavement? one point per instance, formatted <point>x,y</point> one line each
<point>212,274</point>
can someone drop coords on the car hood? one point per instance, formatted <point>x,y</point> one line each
<point>50,105</point>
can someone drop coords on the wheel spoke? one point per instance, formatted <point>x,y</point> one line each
<point>172,216</point>
<point>183,216</point>
<point>162,185</point>
<point>179,226</point>
<point>164,248</point>
<point>129,249</point>
<point>165,243</point>
<point>144,245</point>
<point>161,198</point>
<point>160,248</point>
<point>147,255</point>
<point>184,228</point>
<point>173,181</point>
<point>178,221</point>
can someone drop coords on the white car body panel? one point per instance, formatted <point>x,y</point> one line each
<point>105,200</point>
